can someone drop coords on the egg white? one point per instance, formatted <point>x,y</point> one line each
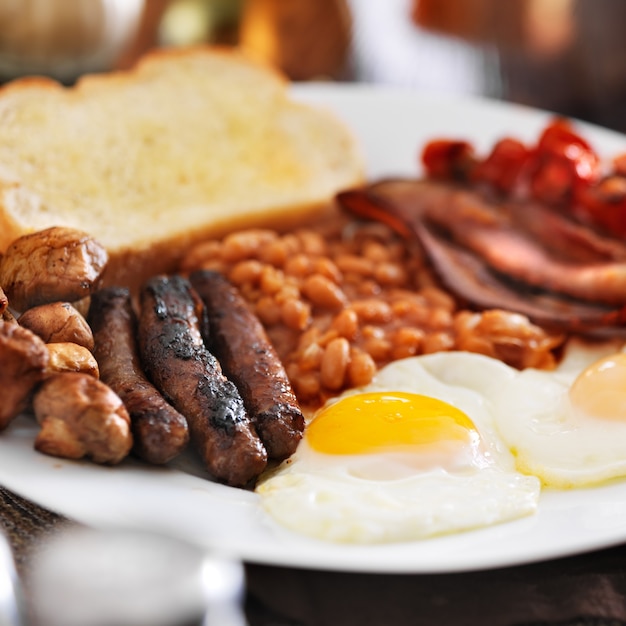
<point>549,436</point>
<point>393,496</point>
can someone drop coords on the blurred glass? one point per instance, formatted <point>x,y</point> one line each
<point>65,38</point>
<point>85,577</point>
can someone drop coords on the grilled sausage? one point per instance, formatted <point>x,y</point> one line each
<point>160,432</point>
<point>239,341</point>
<point>181,366</point>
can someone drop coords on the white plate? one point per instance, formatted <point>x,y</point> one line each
<point>392,126</point>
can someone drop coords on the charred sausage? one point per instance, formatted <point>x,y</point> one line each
<point>160,432</point>
<point>239,341</point>
<point>175,357</point>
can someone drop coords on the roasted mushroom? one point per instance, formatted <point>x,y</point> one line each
<point>66,356</point>
<point>23,362</point>
<point>58,322</point>
<point>81,417</point>
<point>52,265</point>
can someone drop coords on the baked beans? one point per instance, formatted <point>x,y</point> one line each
<point>342,299</point>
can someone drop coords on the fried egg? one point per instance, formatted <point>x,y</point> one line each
<point>408,457</point>
<point>568,427</point>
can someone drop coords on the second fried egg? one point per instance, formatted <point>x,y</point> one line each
<point>568,427</point>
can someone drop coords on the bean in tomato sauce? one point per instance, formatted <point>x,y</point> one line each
<point>341,299</point>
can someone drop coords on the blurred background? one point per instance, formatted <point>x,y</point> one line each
<point>567,56</point>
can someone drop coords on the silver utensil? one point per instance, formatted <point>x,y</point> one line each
<point>131,578</point>
<point>10,595</point>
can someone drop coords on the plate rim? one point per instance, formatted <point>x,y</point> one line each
<point>335,96</point>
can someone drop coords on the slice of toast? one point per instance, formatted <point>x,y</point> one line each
<point>191,143</point>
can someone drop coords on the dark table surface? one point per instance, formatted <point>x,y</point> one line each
<point>584,590</point>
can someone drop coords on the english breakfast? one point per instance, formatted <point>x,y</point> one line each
<point>398,359</point>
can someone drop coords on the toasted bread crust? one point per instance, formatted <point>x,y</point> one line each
<point>131,267</point>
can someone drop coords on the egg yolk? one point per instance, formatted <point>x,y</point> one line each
<point>372,422</point>
<point>600,390</point>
